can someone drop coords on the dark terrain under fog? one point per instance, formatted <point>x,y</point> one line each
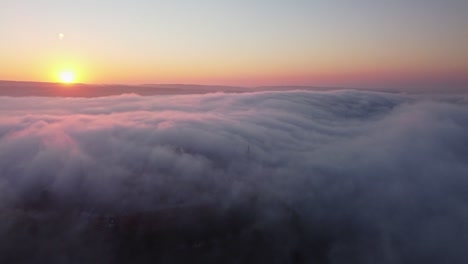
<point>227,175</point>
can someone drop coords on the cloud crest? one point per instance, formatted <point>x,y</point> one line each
<point>369,177</point>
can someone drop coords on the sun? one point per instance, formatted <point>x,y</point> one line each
<point>67,77</point>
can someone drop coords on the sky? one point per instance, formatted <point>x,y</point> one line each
<point>362,43</point>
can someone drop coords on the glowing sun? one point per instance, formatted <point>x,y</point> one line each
<point>67,77</point>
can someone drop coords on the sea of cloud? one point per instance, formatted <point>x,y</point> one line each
<point>369,177</point>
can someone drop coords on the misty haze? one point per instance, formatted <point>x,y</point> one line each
<point>248,131</point>
<point>263,177</point>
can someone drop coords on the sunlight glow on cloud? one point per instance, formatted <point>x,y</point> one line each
<point>374,177</point>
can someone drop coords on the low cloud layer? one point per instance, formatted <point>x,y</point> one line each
<point>323,177</point>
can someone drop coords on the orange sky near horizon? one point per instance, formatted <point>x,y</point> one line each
<point>244,44</point>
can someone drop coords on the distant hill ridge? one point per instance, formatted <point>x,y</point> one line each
<point>48,89</point>
<point>16,88</point>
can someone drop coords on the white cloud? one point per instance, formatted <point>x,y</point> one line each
<point>369,177</point>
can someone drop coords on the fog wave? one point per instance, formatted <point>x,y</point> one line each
<point>317,177</point>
